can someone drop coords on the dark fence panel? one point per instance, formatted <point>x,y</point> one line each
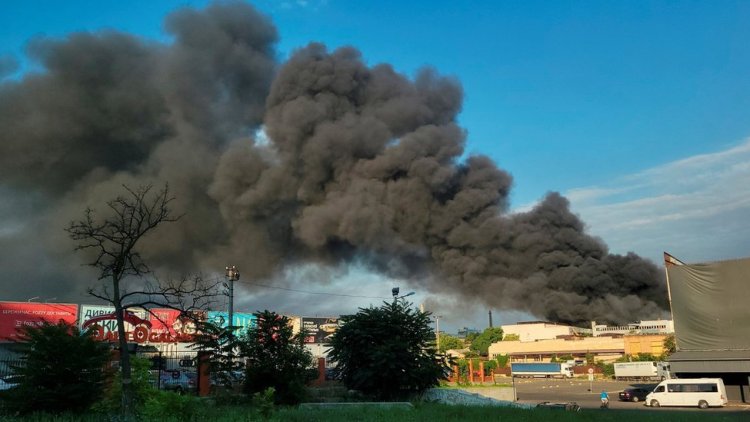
<point>174,371</point>
<point>7,365</point>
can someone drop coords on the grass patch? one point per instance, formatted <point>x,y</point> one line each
<point>421,412</point>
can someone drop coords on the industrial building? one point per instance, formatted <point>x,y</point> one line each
<point>659,326</point>
<point>711,322</point>
<point>542,330</point>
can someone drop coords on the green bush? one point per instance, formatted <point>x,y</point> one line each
<point>142,387</point>
<point>166,405</point>
<point>263,402</point>
<point>502,361</point>
<point>489,366</point>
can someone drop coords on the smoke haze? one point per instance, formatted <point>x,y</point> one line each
<point>362,165</point>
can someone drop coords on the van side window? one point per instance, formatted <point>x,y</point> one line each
<point>659,389</point>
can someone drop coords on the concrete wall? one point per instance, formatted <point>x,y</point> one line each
<point>651,343</point>
<point>468,398</point>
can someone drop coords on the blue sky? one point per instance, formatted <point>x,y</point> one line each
<point>638,111</point>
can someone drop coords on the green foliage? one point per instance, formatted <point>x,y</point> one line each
<point>449,342</point>
<point>483,341</point>
<point>387,352</point>
<point>276,358</point>
<point>554,359</point>
<point>221,344</point>
<point>607,369</point>
<point>63,370</point>
<point>141,382</point>
<point>670,346</point>
<point>589,358</point>
<point>502,360</point>
<point>165,404</point>
<point>471,336</point>
<point>565,358</point>
<point>489,366</point>
<point>263,402</point>
<point>511,337</point>
<point>644,357</point>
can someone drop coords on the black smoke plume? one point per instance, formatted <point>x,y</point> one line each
<point>358,164</point>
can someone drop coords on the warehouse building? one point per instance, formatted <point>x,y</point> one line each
<point>711,322</point>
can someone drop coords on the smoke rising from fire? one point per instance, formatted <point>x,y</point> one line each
<point>362,164</point>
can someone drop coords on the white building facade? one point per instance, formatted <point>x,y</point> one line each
<point>540,330</point>
<point>657,326</point>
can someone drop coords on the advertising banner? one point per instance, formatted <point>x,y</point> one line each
<point>14,315</point>
<point>319,330</point>
<point>170,325</point>
<point>241,319</point>
<point>102,320</point>
<point>141,326</point>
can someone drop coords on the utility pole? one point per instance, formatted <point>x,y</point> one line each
<point>232,276</point>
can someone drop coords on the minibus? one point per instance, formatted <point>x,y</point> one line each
<point>701,392</point>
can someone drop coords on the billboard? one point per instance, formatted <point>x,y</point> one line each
<point>14,315</point>
<point>710,305</point>
<point>241,319</point>
<point>141,326</point>
<point>102,320</point>
<point>319,330</point>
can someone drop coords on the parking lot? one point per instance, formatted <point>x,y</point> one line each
<point>537,390</point>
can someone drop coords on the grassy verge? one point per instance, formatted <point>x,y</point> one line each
<point>421,412</point>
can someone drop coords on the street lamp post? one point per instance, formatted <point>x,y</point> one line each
<point>396,297</point>
<point>232,275</point>
<point>437,330</point>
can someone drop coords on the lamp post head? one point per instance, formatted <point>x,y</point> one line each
<point>232,273</point>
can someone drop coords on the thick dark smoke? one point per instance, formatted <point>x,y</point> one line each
<point>361,164</point>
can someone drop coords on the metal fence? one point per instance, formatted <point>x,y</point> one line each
<point>174,371</point>
<point>7,365</point>
<point>168,371</point>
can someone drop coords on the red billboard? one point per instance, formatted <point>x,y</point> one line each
<point>153,326</point>
<point>14,315</point>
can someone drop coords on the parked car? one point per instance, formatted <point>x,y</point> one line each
<point>8,382</point>
<point>230,379</point>
<point>178,381</point>
<point>634,394</point>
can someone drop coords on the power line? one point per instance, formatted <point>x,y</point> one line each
<point>313,293</point>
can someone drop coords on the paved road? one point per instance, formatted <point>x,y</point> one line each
<point>534,391</point>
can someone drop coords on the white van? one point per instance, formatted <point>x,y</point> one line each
<point>701,392</point>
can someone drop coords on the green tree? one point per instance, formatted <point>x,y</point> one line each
<point>62,370</point>
<point>449,342</point>
<point>276,358</point>
<point>471,336</point>
<point>387,352</point>
<point>483,341</point>
<point>511,337</point>
<point>221,345</point>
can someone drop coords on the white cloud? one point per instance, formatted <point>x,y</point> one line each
<point>696,208</point>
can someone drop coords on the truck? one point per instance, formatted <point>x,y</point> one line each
<point>647,370</point>
<point>542,370</point>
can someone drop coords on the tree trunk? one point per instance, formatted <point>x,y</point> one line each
<point>122,339</point>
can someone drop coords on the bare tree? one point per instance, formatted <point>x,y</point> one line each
<point>113,241</point>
